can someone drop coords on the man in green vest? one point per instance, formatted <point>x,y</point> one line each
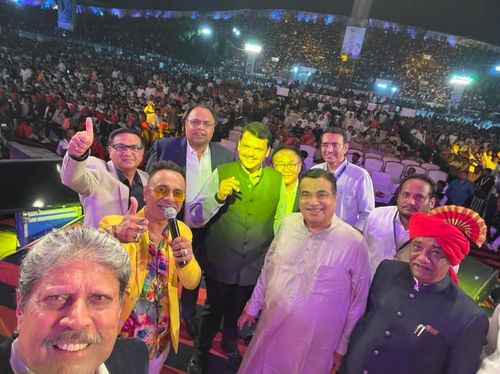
<point>242,205</point>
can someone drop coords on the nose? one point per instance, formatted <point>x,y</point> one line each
<point>77,315</point>
<point>424,257</point>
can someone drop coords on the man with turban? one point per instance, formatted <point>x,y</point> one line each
<point>417,319</point>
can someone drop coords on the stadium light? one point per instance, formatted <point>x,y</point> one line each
<point>206,31</point>
<point>461,80</point>
<point>254,48</point>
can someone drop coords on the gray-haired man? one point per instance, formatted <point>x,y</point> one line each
<point>71,286</point>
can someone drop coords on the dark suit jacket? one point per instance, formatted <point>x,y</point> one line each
<point>175,149</point>
<point>386,338</point>
<point>128,356</point>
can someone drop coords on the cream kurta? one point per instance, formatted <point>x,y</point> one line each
<point>312,290</point>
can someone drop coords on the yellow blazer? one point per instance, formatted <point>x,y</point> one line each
<point>189,275</point>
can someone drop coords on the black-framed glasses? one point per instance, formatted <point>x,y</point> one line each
<point>161,191</point>
<point>198,123</point>
<point>134,148</point>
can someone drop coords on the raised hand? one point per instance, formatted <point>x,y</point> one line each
<point>82,140</point>
<point>132,226</point>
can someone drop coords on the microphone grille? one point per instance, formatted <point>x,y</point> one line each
<point>170,213</point>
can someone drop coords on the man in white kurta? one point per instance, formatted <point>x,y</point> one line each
<point>387,228</point>
<point>312,289</point>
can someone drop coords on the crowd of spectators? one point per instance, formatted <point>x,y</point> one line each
<point>420,67</point>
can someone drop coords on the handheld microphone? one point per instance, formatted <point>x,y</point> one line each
<point>171,214</point>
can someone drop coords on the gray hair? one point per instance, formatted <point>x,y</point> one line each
<point>64,246</point>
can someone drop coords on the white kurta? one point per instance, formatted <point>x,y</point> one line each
<point>312,290</point>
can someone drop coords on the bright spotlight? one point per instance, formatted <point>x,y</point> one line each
<point>255,48</point>
<point>394,89</point>
<point>38,204</point>
<point>497,68</point>
<point>236,31</point>
<point>461,80</point>
<point>382,85</point>
<point>206,31</point>
<point>295,69</point>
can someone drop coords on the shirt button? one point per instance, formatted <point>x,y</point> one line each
<point>388,333</point>
<point>412,295</point>
<point>375,352</point>
<point>399,314</point>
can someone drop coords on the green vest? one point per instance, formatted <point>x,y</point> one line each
<point>240,234</point>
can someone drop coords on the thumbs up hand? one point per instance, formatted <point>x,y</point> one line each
<point>132,226</point>
<point>82,140</point>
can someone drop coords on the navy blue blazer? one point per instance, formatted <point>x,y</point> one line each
<point>175,150</point>
<point>436,329</point>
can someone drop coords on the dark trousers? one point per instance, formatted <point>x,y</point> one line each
<point>190,297</point>
<point>223,300</point>
<point>188,303</point>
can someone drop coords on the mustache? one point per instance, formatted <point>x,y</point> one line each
<point>73,337</point>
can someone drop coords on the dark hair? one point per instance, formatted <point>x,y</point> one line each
<point>203,106</point>
<point>124,130</point>
<point>259,130</point>
<point>284,147</point>
<point>320,173</point>
<point>166,165</point>
<point>335,130</point>
<point>422,177</point>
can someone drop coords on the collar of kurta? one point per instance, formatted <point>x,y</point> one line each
<point>255,176</point>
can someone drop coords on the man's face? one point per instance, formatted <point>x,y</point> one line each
<point>252,151</point>
<point>165,189</point>
<point>415,197</point>
<point>69,323</point>
<point>333,149</point>
<point>428,263</point>
<point>200,125</point>
<point>462,175</point>
<point>317,202</point>
<point>288,163</point>
<point>127,159</point>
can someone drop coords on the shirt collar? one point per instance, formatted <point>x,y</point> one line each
<point>341,166</point>
<point>124,179</point>
<point>255,176</point>
<point>193,152</point>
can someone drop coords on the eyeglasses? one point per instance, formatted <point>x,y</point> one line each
<point>290,166</point>
<point>332,145</point>
<point>163,191</point>
<point>122,147</point>
<point>198,123</point>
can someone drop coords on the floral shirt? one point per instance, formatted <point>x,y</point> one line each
<point>149,321</point>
